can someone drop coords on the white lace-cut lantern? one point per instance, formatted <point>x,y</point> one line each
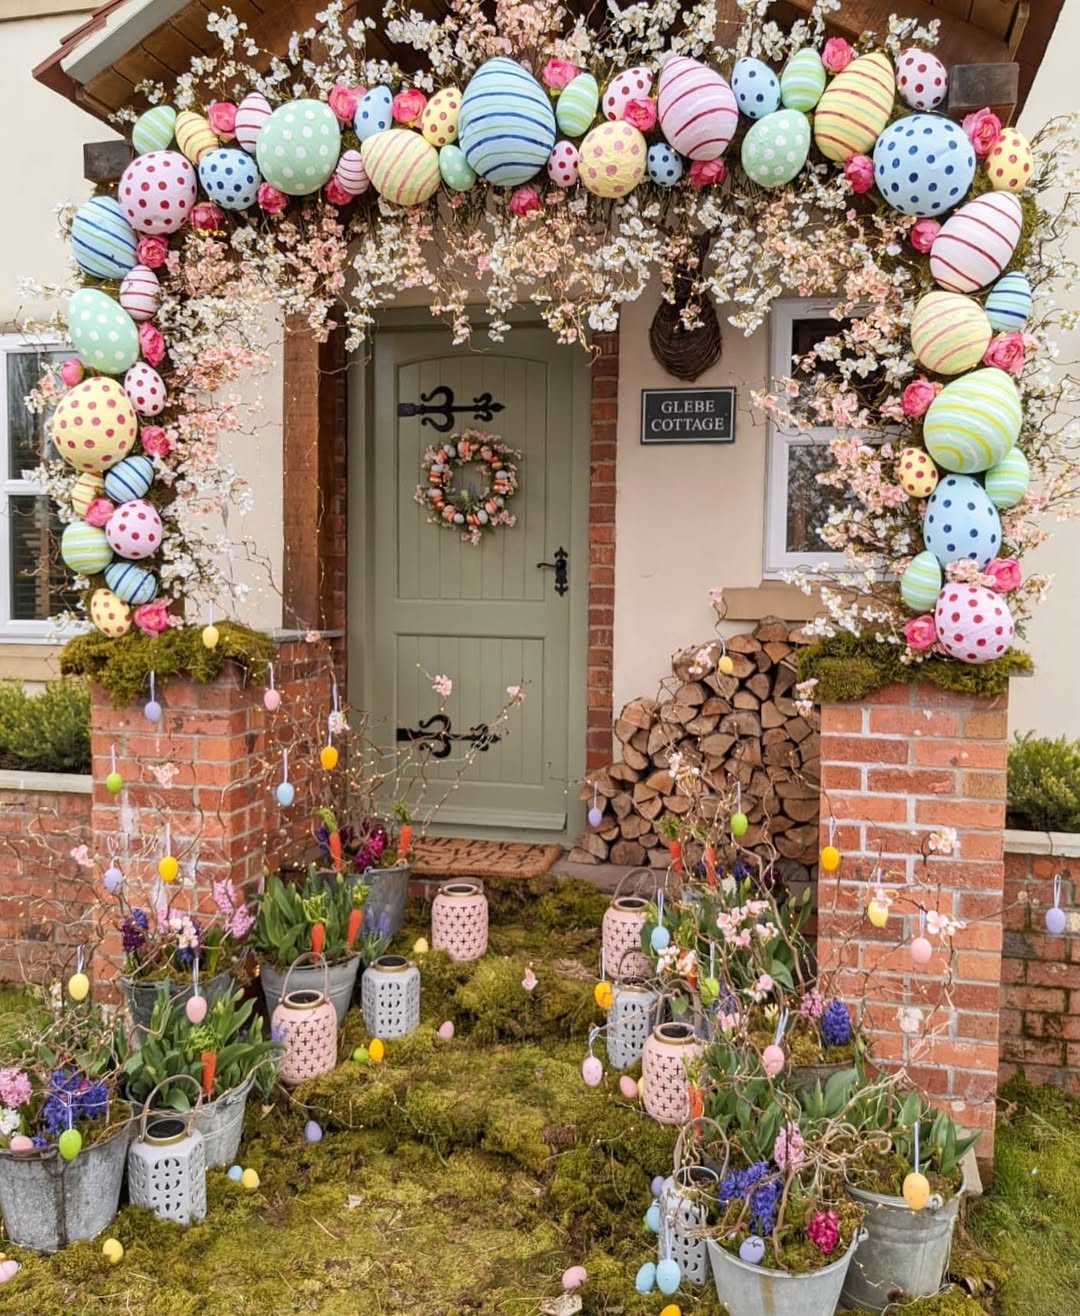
<point>305,1022</point>
<point>167,1161</point>
<point>683,1205</point>
<point>390,995</point>
<point>459,920</point>
<point>629,1019</point>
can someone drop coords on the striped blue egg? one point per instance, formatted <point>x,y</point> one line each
<point>229,177</point>
<point>130,478</point>
<point>373,114</point>
<point>1008,303</point>
<point>506,126</point>
<point>756,87</point>
<point>961,521</point>
<point>102,240</point>
<point>664,164</point>
<point>924,164</point>
<point>131,584</point>
<point>153,131</point>
<point>1007,482</point>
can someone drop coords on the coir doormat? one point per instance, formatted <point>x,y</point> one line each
<point>452,856</point>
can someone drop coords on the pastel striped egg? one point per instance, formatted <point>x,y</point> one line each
<point>351,174</point>
<point>855,107</point>
<point>130,478</point>
<point>576,107</point>
<point>109,614</point>
<point>102,240</point>
<point>94,425</point>
<point>456,171</point>
<point>146,389</point>
<point>949,332</point>
<point>974,421</point>
<point>439,121</point>
<point>976,243</point>
<point>374,112</point>
<point>924,164</point>
<point>85,549</point>
<point>1008,481</point>
<point>131,584</point>
<point>86,488</point>
<point>612,159</point>
<point>665,166</point>
<point>157,192</point>
<point>194,136</point>
<point>563,164</point>
<point>251,116</point>
<point>921,79</point>
<point>961,521</point>
<point>697,109</point>
<point>154,130</point>
<point>802,80</point>
<point>756,87</point>
<point>298,147</point>
<point>631,84</point>
<point>134,530</point>
<point>973,623</point>
<point>102,332</point>
<point>229,177</point>
<point>1009,165</point>
<point>140,292</point>
<point>506,125</point>
<point>775,148</point>
<point>403,168</point>
<point>1008,305</point>
<point>916,472</point>
<point>920,583</point>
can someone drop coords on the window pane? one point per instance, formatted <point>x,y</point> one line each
<point>28,436</point>
<point>808,503</point>
<point>39,579</point>
<point>805,336</point>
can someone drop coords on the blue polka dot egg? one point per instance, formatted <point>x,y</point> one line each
<point>373,112</point>
<point>961,521</point>
<point>664,164</point>
<point>756,87</point>
<point>923,165</point>
<point>229,177</point>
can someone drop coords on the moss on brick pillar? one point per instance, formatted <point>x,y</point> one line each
<point>911,760</point>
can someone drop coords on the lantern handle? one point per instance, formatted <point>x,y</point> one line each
<point>172,1078</point>
<point>693,1126</point>
<point>636,874</point>
<point>317,958</point>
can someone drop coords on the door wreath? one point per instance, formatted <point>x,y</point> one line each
<point>474,511</point>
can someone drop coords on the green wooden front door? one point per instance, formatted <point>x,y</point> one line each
<point>488,616</point>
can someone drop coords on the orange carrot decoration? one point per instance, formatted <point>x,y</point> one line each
<point>710,865</point>
<point>404,841</point>
<point>697,1103</point>
<point>333,841</point>
<point>675,850</point>
<point>318,937</point>
<point>352,928</point>
<point>209,1070</point>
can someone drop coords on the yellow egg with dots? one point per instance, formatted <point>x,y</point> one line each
<point>328,757</point>
<point>602,995</point>
<point>877,911</point>
<point>249,1180</point>
<point>168,868</point>
<point>725,665</point>
<point>916,1190</point>
<point>210,636</point>
<point>113,1251</point>
<point>78,986</point>
<point>376,1049</point>
<point>830,858</point>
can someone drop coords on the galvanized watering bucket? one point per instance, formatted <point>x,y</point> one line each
<point>752,1290</point>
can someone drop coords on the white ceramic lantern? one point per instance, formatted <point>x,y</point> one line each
<point>390,996</point>
<point>167,1161</point>
<point>684,1210</point>
<point>628,1021</point>
<point>305,1022</point>
<point>459,920</point>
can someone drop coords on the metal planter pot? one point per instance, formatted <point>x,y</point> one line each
<point>750,1290</point>
<point>221,1123</point>
<point>139,997</point>
<point>48,1202</point>
<point>310,977</point>
<point>388,889</point>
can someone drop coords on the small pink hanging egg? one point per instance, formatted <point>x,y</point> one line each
<point>196,1009</point>
<point>921,951</point>
<point>628,1087</point>
<point>8,1270</point>
<point>574,1277</point>
<point>271,701</point>
<point>562,165</point>
<point>21,1143</point>
<point>592,1071</point>
<point>446,1030</point>
<point>772,1058</point>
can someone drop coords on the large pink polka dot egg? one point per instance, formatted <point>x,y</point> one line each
<point>613,158</point>
<point>562,165</point>
<point>157,192</point>
<point>632,84</point>
<point>134,530</point>
<point>94,425</point>
<point>973,623</point>
<point>921,79</point>
<point>145,389</point>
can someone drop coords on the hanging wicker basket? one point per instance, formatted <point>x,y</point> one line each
<point>686,353</point>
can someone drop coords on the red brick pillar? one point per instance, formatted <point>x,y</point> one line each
<point>602,451</point>
<point>915,759</point>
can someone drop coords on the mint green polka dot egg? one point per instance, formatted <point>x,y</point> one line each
<point>456,171</point>
<point>803,80</point>
<point>776,147</point>
<point>102,332</point>
<point>298,147</point>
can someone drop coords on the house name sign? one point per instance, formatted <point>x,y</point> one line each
<point>688,415</point>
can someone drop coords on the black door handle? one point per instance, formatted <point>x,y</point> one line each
<point>562,581</point>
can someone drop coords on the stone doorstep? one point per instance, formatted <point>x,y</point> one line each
<point>1066,845</point>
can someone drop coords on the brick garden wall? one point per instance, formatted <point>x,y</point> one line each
<point>601,578</point>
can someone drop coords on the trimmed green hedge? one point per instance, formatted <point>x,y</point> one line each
<point>1044,784</point>
<point>46,732</point>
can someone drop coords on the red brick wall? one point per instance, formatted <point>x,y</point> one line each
<point>602,450</point>
<point>912,760</point>
<point>1040,1007</point>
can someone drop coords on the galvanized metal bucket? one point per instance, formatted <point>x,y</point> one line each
<point>310,977</point>
<point>140,996</point>
<point>751,1290</point>
<point>384,908</point>
<point>221,1122</point>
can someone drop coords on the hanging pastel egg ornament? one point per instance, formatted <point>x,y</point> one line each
<point>612,159</point>
<point>725,665</point>
<point>659,938</point>
<point>920,950</point>
<point>168,869</point>
<point>157,191</point>
<point>131,584</point>
<point>974,421</point>
<point>603,995</point>
<point>663,164</point>
<point>877,911</point>
<point>229,177</point>
<point>574,1278</point>
<point>1008,304</point>
<point>154,130</point>
<point>775,148</point>
<point>697,109</point>
<point>592,1071</point>
<point>631,84</point>
<point>210,636</point>
<point>830,858</point>
<point>298,147</point>
<point>194,136</point>
<point>1009,164</point>
<point>645,1279</point>
<point>1007,482</point>
<point>802,80</point>
<point>920,583</point>
<point>439,119</point>
<point>916,473</point>
<point>78,987</point>
<point>83,492</point>
<point>855,107</point>
<point>923,164</point>
<point>756,87</point>
<point>506,125</point>
<point>374,112</point>
<point>285,791</point>
<point>916,1190</point>
<point>457,173</point>
<point>595,817</point>
<point>102,240</point>
<point>752,1250</point>
<point>921,79</point>
<point>312,1132</point>
<point>195,1009</point>
<point>113,1251</point>
<point>1055,919</point>
<point>102,333</point>
<point>563,164</point>
<point>69,1144</point>
<point>739,824</point>
<point>251,116</point>
<point>577,104</point>
<point>112,879</point>
<point>668,1276</point>
<point>145,388</point>
<point>140,292</point>
<point>973,623</point>
<point>949,332</point>
<point>961,521</point>
<point>110,615</point>
<point>328,758</point>
<point>84,548</point>
<point>773,1059</point>
<point>152,709</point>
<point>977,242</point>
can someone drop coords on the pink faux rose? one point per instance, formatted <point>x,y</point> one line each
<point>923,233</point>
<point>920,633</point>
<point>152,252</point>
<point>703,173</point>
<point>984,129</point>
<point>151,343</point>
<point>525,200</point>
<point>71,372</point>
<point>1006,351</point>
<point>153,618</point>
<point>343,102</point>
<point>408,105</point>
<point>222,118</point>
<point>837,54</point>
<point>98,511</point>
<point>156,440</point>
<point>206,217</point>
<point>337,193</point>
<point>640,113</point>
<point>1005,574</point>
<point>270,200</point>
<point>558,72</point>
<point>918,395</point>
<point>859,172</point>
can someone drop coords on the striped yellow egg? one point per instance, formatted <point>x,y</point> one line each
<point>439,121</point>
<point>194,136</point>
<point>916,472</point>
<point>949,332</point>
<point>973,422</point>
<point>402,166</point>
<point>921,582</point>
<point>1009,165</point>
<point>83,492</point>
<point>1007,482</point>
<point>855,107</point>
<point>612,159</point>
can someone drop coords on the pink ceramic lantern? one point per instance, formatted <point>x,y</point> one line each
<point>459,920</point>
<point>140,292</point>
<point>157,192</point>
<point>632,84</point>
<point>973,623</point>
<point>134,530</point>
<point>305,1022</point>
<point>665,1086</point>
<point>562,165</point>
<point>620,934</point>
<point>145,389</point>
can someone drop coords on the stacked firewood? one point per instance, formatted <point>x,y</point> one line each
<point>720,733</point>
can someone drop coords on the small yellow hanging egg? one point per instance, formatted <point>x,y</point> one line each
<point>916,1190</point>
<point>725,665</point>
<point>250,1180</point>
<point>376,1049</point>
<point>113,1251</point>
<point>328,757</point>
<point>877,911</point>
<point>602,995</point>
<point>830,858</point>
<point>168,868</point>
<point>210,636</point>
<point>78,986</point>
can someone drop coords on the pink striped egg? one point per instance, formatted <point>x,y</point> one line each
<point>252,112</point>
<point>976,243</point>
<point>631,84</point>
<point>145,389</point>
<point>697,109</point>
<point>351,174</point>
<point>562,165</point>
<point>949,332</point>
<point>140,292</point>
